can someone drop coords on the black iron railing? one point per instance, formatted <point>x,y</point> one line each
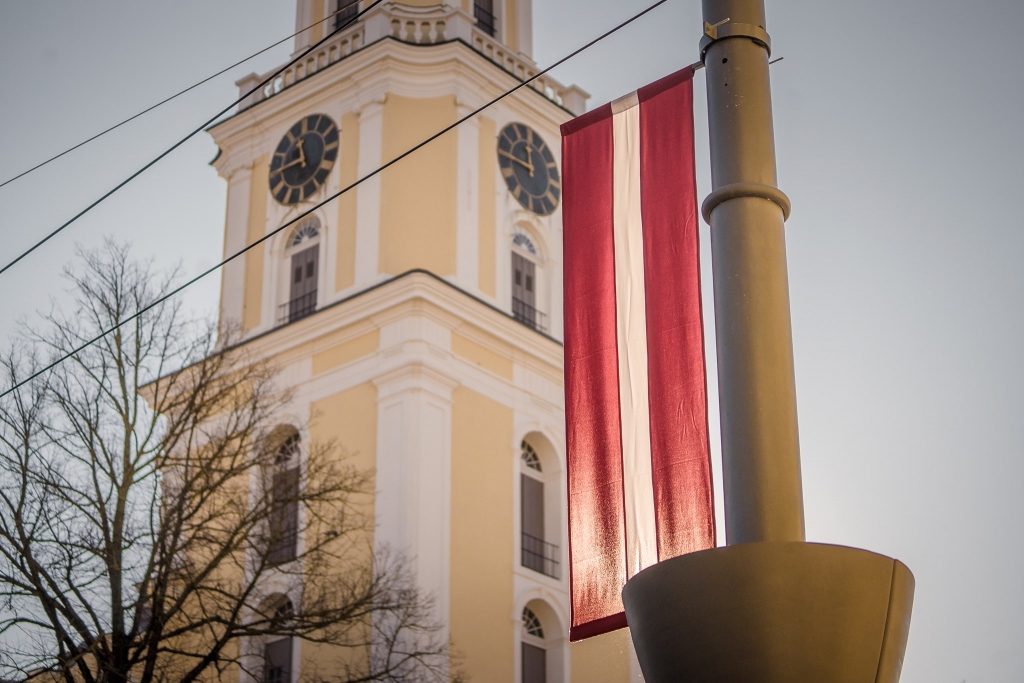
<point>297,308</point>
<point>348,9</point>
<point>484,18</point>
<point>540,556</point>
<point>528,315</point>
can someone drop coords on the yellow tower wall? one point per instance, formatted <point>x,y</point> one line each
<point>481,536</point>
<point>347,419</point>
<point>602,659</point>
<point>418,194</point>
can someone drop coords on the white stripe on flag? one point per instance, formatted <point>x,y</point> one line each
<point>631,319</point>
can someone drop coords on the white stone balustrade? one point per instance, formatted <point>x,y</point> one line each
<point>419,26</point>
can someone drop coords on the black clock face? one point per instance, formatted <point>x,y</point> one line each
<point>303,159</point>
<point>529,168</point>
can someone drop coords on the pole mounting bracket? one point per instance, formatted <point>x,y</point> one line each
<point>730,29</point>
<point>711,30</point>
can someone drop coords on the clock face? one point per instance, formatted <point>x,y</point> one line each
<point>529,168</point>
<point>303,159</point>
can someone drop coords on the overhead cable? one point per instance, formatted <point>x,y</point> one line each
<point>168,99</point>
<point>179,143</point>
<point>380,169</point>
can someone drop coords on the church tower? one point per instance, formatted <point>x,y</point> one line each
<point>417,318</point>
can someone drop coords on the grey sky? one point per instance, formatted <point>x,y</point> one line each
<point>899,142</point>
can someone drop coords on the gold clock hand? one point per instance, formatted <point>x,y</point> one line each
<point>291,163</point>
<point>529,157</point>
<point>301,159</point>
<point>525,164</point>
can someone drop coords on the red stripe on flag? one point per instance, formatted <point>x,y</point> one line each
<point>597,555</point>
<point>681,467</point>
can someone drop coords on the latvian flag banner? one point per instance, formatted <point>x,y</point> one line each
<point>635,392</point>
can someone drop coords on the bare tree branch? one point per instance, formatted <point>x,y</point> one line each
<point>150,501</point>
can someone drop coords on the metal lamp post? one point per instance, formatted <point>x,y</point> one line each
<point>768,607</point>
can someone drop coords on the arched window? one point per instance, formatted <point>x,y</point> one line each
<point>524,282</point>
<point>303,255</point>
<point>537,553</point>
<point>530,457</point>
<point>277,654</point>
<point>532,624</point>
<point>534,654</point>
<point>284,473</point>
<point>524,242</point>
<point>308,231</point>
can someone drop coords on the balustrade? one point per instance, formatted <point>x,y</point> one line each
<point>528,315</point>
<point>297,308</point>
<point>417,26</point>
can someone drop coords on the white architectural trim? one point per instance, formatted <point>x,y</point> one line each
<point>414,413</point>
<point>556,636</point>
<point>371,131</point>
<point>232,289</point>
<point>467,207</point>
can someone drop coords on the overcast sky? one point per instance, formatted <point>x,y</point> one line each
<point>898,127</point>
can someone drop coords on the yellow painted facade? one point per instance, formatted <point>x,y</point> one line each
<point>346,352</point>
<point>349,420</point>
<point>429,379</point>
<point>417,222</point>
<point>604,659</point>
<point>499,362</point>
<point>481,590</point>
<point>511,22</point>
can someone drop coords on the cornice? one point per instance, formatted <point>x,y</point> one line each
<point>402,58</point>
<point>416,292</point>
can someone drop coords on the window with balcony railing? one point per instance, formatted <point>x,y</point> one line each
<point>540,556</point>
<point>524,284</point>
<point>302,258</point>
<point>297,308</point>
<point>483,10</point>
<point>526,314</point>
<point>536,553</point>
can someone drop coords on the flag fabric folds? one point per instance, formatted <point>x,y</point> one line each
<point>635,390</point>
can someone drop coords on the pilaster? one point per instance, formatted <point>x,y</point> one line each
<point>371,128</point>
<point>414,416</point>
<point>232,287</point>
<point>467,210</point>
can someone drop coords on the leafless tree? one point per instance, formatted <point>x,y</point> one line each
<point>158,524</point>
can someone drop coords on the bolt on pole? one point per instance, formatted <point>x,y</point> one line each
<point>747,212</point>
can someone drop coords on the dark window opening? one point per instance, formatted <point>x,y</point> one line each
<point>278,662</point>
<point>348,10</point>
<point>534,664</point>
<point>483,10</point>
<point>524,295</point>
<point>537,554</point>
<point>284,517</point>
<point>303,290</point>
